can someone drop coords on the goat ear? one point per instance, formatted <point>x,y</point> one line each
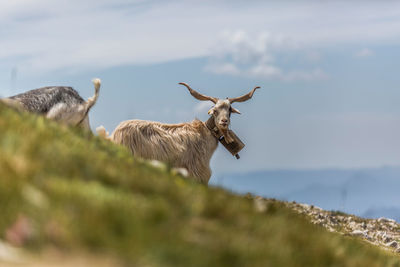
<point>211,111</point>
<point>234,110</point>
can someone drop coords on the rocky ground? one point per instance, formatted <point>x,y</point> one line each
<point>382,232</point>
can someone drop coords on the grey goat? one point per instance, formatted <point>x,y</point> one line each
<point>60,103</point>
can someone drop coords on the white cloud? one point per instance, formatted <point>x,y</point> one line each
<point>364,53</point>
<point>264,70</point>
<point>272,72</point>
<point>310,75</point>
<point>222,68</point>
<point>46,35</point>
<point>241,54</point>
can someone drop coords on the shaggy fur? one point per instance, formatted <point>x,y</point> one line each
<point>186,145</point>
<point>59,103</point>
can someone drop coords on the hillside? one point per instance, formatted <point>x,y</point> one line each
<point>75,199</point>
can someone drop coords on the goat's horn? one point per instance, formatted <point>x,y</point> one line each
<point>243,97</point>
<point>199,96</point>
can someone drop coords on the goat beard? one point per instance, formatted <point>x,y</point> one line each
<point>218,132</point>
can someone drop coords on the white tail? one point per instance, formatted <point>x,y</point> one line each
<point>92,100</point>
<point>90,103</point>
<point>101,131</point>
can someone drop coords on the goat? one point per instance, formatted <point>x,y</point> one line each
<point>187,145</point>
<point>62,104</point>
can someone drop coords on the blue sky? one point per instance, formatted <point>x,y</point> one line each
<point>328,70</point>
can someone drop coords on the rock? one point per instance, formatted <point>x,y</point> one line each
<point>352,224</point>
<point>305,206</point>
<point>158,164</point>
<point>180,171</point>
<point>364,225</point>
<point>369,238</point>
<point>383,219</point>
<point>382,232</point>
<point>330,229</point>
<point>358,233</point>
<point>387,239</point>
<point>392,244</point>
<point>332,219</point>
<point>260,205</point>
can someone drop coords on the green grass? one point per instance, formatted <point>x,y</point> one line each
<point>84,194</point>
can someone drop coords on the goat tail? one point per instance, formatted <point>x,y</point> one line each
<point>92,100</point>
<point>101,131</point>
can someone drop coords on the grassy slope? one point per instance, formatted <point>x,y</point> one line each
<point>82,193</point>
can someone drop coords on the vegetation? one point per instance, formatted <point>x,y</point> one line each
<point>78,193</point>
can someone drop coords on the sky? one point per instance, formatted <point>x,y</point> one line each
<point>328,70</point>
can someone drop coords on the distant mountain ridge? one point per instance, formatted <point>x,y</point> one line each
<point>365,192</point>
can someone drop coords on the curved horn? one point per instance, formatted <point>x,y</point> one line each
<point>243,97</point>
<point>199,96</point>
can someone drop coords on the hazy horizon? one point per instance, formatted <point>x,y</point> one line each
<point>369,193</point>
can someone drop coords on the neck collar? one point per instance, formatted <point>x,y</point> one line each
<point>233,147</point>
